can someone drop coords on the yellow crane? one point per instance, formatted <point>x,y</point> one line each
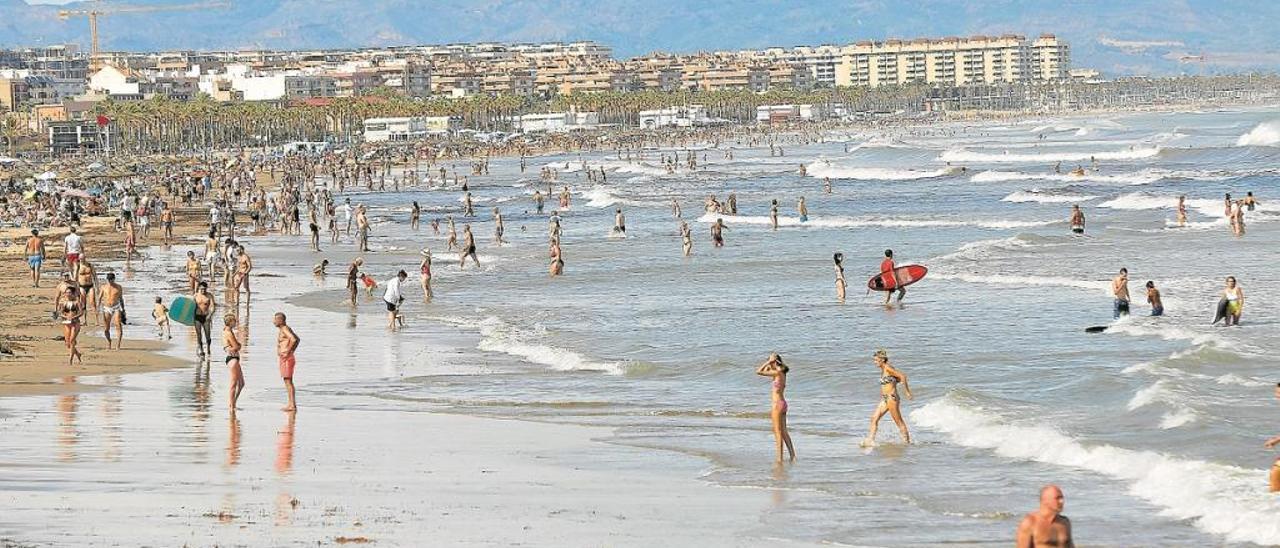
<point>98,10</point>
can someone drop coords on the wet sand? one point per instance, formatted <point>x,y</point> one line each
<point>35,339</point>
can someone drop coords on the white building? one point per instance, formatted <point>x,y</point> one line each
<point>117,81</point>
<point>784,113</point>
<point>377,130</point>
<point>687,116</point>
<point>557,122</point>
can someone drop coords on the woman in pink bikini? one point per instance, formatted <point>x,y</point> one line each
<point>773,367</point>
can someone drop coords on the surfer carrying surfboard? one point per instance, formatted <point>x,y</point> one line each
<point>890,278</point>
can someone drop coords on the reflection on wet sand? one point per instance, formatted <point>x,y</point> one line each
<point>233,442</point>
<point>111,427</point>
<point>284,445</point>
<point>68,436</point>
<point>780,478</point>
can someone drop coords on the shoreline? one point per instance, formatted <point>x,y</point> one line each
<point>39,355</point>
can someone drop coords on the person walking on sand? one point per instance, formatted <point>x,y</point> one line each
<point>1120,289</point>
<point>35,256</point>
<point>777,370</point>
<point>890,402</point>
<point>1275,467</point>
<point>231,345</point>
<point>87,279</point>
<point>113,310</point>
<point>73,251</point>
<point>193,271</point>
<point>200,324</point>
<point>841,285</point>
<point>286,346</point>
<point>469,248</point>
<point>1046,527</point>
<point>1077,219</point>
<point>71,312</point>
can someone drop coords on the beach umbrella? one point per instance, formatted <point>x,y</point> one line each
<point>47,176</point>
<point>75,193</point>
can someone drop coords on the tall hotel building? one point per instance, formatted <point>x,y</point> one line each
<point>953,61</point>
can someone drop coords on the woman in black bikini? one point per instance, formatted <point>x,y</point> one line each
<point>231,344</point>
<point>71,311</point>
<point>889,401</point>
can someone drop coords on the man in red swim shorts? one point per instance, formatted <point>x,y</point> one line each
<point>286,344</point>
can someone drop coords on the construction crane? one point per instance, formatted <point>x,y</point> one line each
<point>98,10</point>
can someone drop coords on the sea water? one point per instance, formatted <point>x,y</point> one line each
<point>1154,428</point>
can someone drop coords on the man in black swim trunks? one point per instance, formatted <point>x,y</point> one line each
<point>204,311</point>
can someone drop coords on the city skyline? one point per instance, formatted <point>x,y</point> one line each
<point>1134,38</point>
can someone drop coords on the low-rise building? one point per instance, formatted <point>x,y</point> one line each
<point>557,122</point>
<point>378,130</point>
<point>686,116</point>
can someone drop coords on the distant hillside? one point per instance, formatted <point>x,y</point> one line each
<point>1125,37</point>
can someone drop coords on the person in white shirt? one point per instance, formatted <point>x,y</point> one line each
<point>392,297</point>
<point>346,214</point>
<point>73,249</point>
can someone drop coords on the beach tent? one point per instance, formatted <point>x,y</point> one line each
<point>96,166</point>
<point>47,176</point>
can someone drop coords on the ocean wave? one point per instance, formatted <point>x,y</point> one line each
<point>1220,499</point>
<point>1142,201</point>
<point>1023,196</point>
<point>983,250</point>
<point>1144,177</point>
<point>499,336</point>
<point>965,155</point>
<point>600,197</point>
<point>821,169</point>
<point>1015,281</point>
<point>1266,134</point>
<point>849,222</point>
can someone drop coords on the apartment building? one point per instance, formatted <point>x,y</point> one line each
<point>952,61</point>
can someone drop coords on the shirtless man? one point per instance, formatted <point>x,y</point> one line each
<point>538,201</point>
<point>231,344</point>
<point>717,232</point>
<point>35,256</point>
<point>1271,443</point>
<point>113,310</point>
<point>468,248</point>
<point>211,252</point>
<point>87,280</point>
<point>1077,219</point>
<point>204,312</point>
<point>166,220</point>
<point>362,228</point>
<point>193,271</point>
<point>1046,527</point>
<point>286,345</point>
<point>1182,211</point>
<point>498,227</point>
<point>1120,289</point>
<point>244,265</point>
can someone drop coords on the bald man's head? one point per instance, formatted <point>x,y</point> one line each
<point>1051,498</point>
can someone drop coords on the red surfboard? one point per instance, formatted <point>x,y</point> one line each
<point>905,274</point>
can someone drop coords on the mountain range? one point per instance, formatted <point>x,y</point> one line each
<point>1127,37</point>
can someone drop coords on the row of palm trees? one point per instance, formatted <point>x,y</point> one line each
<point>169,126</point>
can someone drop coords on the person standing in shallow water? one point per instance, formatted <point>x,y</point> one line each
<point>1046,527</point>
<point>775,369</point>
<point>286,345</point>
<point>841,285</point>
<point>890,402</point>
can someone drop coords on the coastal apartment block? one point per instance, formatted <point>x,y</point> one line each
<point>952,61</point>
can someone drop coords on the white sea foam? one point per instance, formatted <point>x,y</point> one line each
<point>1015,281</point>
<point>1219,499</point>
<point>1231,378</point>
<point>1141,201</point>
<point>497,335</point>
<point>965,155</point>
<point>821,169</point>
<point>1266,134</point>
<point>1143,177</point>
<point>599,196</point>
<point>849,222</point>
<point>1023,196</point>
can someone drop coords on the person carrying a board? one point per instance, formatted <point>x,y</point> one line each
<point>890,278</point>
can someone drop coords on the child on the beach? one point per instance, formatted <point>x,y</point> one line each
<point>161,314</point>
<point>369,283</point>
